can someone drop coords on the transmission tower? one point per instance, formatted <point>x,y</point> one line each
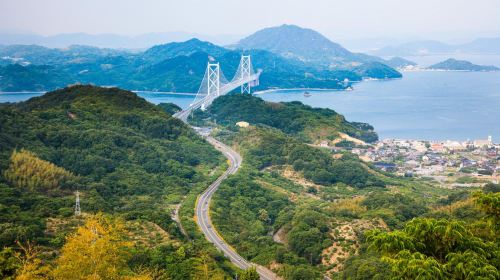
<point>78,211</point>
<point>246,71</point>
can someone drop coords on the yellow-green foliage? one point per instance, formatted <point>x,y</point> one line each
<point>489,203</point>
<point>96,251</point>
<point>26,170</point>
<point>352,206</point>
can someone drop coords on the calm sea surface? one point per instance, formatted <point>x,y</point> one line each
<point>421,105</point>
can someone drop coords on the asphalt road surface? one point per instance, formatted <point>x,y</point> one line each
<point>203,217</point>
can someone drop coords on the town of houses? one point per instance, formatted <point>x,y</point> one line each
<point>440,160</point>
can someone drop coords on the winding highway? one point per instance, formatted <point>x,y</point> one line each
<point>203,216</point>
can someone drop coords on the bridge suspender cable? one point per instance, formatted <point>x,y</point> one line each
<point>215,84</point>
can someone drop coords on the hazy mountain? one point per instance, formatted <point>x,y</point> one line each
<point>415,48</point>
<point>310,47</point>
<point>370,43</point>
<point>483,45</point>
<point>142,41</point>
<point>461,65</point>
<point>295,42</point>
<point>478,46</point>
<point>399,62</point>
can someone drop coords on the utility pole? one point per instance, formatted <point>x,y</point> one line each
<point>78,211</point>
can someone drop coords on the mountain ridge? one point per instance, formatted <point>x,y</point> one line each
<point>286,41</point>
<point>154,69</point>
<point>110,40</point>
<point>428,47</point>
<point>303,44</point>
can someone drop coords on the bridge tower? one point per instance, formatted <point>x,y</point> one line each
<point>78,211</point>
<point>245,72</point>
<point>213,81</point>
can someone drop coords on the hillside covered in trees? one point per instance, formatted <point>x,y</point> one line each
<point>458,239</point>
<point>306,211</point>
<point>300,209</point>
<point>130,160</point>
<point>302,121</point>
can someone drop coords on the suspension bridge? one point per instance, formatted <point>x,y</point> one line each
<point>215,84</point>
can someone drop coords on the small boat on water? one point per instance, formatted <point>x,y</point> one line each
<point>307,94</point>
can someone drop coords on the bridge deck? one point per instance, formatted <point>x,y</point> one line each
<point>207,100</point>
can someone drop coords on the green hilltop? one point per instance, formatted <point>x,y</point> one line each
<point>308,124</point>
<point>128,158</point>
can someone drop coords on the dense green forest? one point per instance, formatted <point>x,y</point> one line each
<point>129,159</point>
<point>458,239</point>
<point>266,147</point>
<point>302,210</point>
<point>294,118</point>
<point>306,211</point>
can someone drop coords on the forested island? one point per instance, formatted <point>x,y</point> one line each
<point>296,207</point>
<point>461,65</point>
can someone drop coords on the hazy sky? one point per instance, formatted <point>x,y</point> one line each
<point>446,19</point>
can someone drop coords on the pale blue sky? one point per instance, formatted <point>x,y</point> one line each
<point>444,19</point>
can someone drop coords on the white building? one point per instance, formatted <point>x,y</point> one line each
<point>480,143</point>
<point>454,145</point>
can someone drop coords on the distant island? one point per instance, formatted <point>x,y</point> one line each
<point>400,63</point>
<point>484,46</point>
<point>461,65</point>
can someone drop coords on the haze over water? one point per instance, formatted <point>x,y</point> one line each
<point>421,105</point>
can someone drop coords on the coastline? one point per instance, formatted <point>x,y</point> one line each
<point>163,92</point>
<point>418,69</point>
<point>441,141</point>
<point>295,89</point>
<point>134,91</point>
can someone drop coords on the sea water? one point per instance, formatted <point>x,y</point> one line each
<point>422,105</point>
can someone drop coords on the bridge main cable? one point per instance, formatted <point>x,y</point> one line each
<point>214,84</point>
